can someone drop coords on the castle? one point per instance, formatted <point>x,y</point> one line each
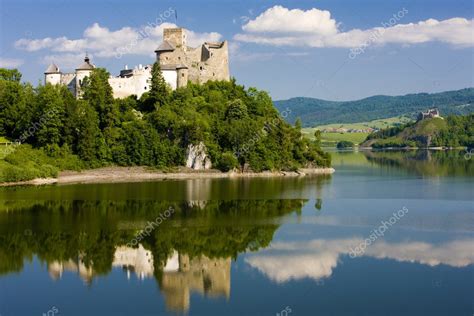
<point>179,65</point>
<point>431,113</point>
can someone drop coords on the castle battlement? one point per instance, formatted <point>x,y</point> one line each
<point>179,65</point>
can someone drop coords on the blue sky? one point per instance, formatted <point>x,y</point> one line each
<point>336,50</point>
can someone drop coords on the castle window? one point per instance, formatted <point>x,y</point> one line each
<point>179,57</point>
<point>182,75</point>
<point>200,68</point>
<point>144,88</point>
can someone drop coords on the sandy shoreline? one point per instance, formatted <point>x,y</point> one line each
<point>142,174</point>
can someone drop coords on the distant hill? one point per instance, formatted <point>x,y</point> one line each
<point>313,112</point>
<point>453,131</point>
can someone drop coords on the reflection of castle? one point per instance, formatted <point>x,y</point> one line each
<point>203,275</point>
<point>57,268</point>
<point>181,274</point>
<point>138,260</point>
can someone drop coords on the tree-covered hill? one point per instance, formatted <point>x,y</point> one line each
<point>313,112</point>
<point>239,128</point>
<point>452,131</point>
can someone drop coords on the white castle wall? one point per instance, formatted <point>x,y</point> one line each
<point>53,78</point>
<point>139,82</point>
<point>171,77</point>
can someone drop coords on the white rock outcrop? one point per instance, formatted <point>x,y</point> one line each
<point>197,157</point>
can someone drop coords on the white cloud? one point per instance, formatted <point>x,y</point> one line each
<point>280,26</point>
<point>282,20</point>
<point>10,62</point>
<point>64,61</point>
<point>103,42</point>
<point>317,258</point>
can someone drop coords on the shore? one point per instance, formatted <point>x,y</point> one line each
<point>141,174</point>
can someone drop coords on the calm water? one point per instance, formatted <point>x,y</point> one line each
<point>248,246</point>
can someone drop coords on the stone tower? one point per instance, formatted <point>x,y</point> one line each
<point>209,61</point>
<point>176,37</point>
<point>84,70</point>
<point>52,75</point>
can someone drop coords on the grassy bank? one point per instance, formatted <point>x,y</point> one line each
<point>21,163</point>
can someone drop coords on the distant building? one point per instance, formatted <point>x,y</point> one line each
<point>179,64</point>
<point>431,113</point>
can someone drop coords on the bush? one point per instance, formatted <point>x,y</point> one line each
<point>26,163</point>
<point>393,143</point>
<point>227,162</point>
<point>344,144</point>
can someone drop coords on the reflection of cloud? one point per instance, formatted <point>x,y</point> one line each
<point>458,253</point>
<point>286,267</point>
<point>316,259</point>
<point>297,260</point>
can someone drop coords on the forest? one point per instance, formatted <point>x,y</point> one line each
<point>239,126</point>
<point>314,112</point>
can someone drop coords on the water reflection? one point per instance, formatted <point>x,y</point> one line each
<point>275,239</point>
<point>203,275</point>
<point>424,162</point>
<point>316,259</point>
<point>189,252</point>
<point>180,276</point>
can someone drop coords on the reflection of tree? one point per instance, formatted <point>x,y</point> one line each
<point>424,162</point>
<point>319,204</point>
<point>64,230</point>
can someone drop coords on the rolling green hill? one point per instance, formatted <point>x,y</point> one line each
<point>313,112</point>
<point>454,131</point>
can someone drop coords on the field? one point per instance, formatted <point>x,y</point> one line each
<point>331,139</point>
<point>376,124</point>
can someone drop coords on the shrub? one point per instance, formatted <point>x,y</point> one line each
<point>227,162</point>
<point>344,144</point>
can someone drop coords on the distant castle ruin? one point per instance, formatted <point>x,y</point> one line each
<point>431,113</point>
<point>179,63</point>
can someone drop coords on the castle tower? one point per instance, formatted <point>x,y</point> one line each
<point>52,75</point>
<point>182,76</point>
<point>84,70</point>
<point>176,37</point>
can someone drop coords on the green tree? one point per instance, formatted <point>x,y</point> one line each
<point>49,121</point>
<point>159,91</point>
<point>10,75</point>
<point>98,93</point>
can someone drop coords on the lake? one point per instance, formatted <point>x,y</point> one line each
<point>390,233</point>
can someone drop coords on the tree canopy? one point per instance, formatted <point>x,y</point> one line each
<point>240,127</point>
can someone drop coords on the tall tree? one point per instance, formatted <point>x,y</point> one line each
<point>159,92</point>
<point>49,122</point>
<point>99,94</point>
